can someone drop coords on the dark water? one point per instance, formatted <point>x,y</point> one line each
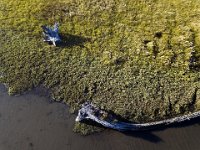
<point>31,122</point>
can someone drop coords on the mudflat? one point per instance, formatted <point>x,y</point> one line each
<point>32,122</point>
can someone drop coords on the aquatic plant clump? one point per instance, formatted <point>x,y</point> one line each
<point>139,59</point>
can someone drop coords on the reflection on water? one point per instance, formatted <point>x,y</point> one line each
<point>32,122</point>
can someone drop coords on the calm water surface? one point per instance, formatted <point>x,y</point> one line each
<point>32,122</point>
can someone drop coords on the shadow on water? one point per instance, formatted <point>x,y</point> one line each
<point>69,40</point>
<point>145,135</point>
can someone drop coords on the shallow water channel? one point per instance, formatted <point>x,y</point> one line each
<point>33,122</point>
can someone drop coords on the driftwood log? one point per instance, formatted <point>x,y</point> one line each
<point>51,34</point>
<point>91,112</point>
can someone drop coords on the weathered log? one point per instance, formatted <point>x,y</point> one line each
<point>51,34</point>
<point>89,111</point>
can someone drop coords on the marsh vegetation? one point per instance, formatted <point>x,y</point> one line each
<point>140,59</point>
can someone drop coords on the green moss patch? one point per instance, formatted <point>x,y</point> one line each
<point>140,59</point>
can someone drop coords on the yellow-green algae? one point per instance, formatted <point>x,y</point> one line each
<point>138,58</point>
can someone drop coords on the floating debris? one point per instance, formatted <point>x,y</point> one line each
<point>51,34</point>
<point>91,112</point>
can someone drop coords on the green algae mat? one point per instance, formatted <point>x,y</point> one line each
<point>137,58</point>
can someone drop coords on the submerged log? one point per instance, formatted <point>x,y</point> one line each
<point>91,112</point>
<point>51,34</point>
